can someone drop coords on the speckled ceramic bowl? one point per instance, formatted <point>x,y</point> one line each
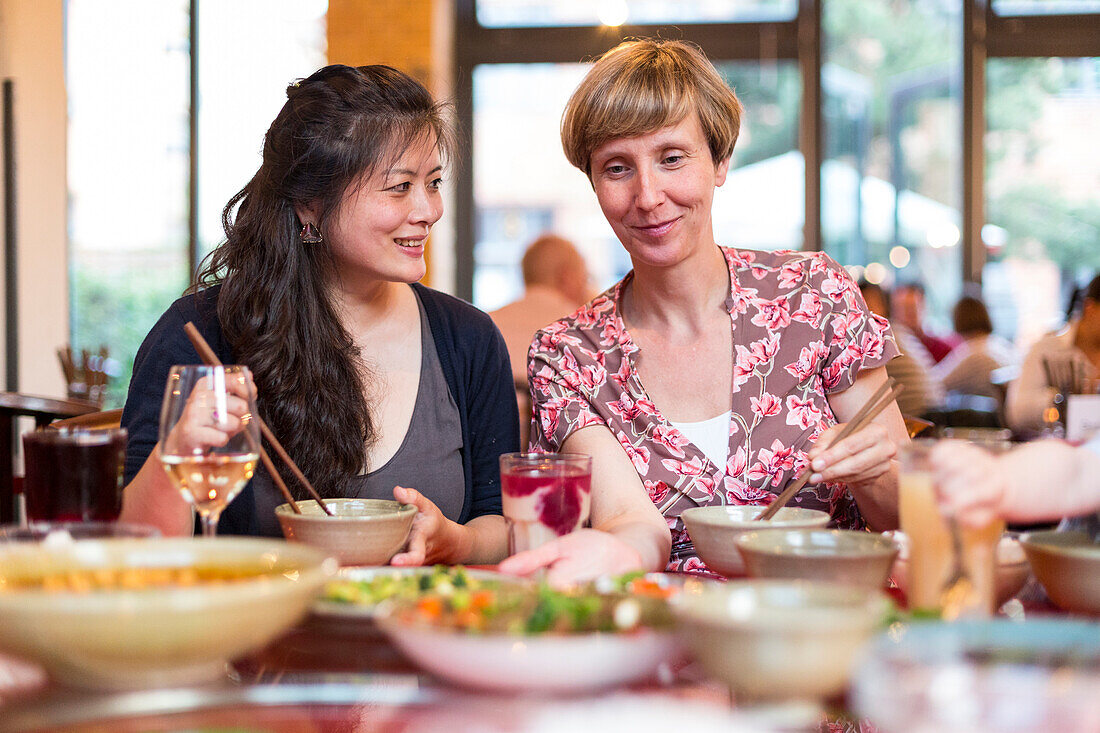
<point>860,559</point>
<point>360,532</point>
<point>713,529</point>
<point>773,640</point>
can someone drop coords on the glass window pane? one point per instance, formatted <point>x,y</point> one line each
<point>892,173</point>
<point>127,80</point>
<point>519,107</point>
<point>1045,7</point>
<point>277,41</point>
<point>535,13</point>
<point>1042,234</point>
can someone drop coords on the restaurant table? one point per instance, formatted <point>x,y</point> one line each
<point>339,675</point>
<point>44,410</point>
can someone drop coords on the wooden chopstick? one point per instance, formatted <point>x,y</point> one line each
<point>882,397</point>
<point>211,359</point>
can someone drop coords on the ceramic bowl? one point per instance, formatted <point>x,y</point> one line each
<point>779,640</point>
<point>1010,576</point>
<point>133,613</point>
<point>861,559</point>
<point>713,529</point>
<point>360,532</point>
<point>1039,676</point>
<point>1067,564</point>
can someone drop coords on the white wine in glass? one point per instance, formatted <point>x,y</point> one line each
<point>209,437</point>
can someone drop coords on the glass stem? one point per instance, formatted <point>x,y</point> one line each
<point>210,523</point>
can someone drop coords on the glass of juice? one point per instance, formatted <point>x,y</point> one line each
<point>73,474</point>
<point>932,560</point>
<point>544,496</point>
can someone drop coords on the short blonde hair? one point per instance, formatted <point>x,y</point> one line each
<point>641,86</point>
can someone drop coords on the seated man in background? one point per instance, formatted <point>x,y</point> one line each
<point>907,306</point>
<point>968,368</point>
<point>1069,355</point>
<point>555,280</point>
<point>911,368</point>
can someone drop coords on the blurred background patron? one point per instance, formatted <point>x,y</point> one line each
<point>968,368</point>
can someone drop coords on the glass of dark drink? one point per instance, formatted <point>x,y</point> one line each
<point>73,475</point>
<point>544,496</point>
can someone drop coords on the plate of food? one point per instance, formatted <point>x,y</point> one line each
<point>356,592</point>
<point>533,638</point>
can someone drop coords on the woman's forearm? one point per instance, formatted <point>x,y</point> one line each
<point>878,500</point>
<point>486,541</point>
<point>152,499</point>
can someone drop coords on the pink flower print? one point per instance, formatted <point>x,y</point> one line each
<point>695,565</point>
<point>542,379</point>
<point>548,413</point>
<point>839,366</point>
<point>612,333</point>
<point>705,484</point>
<point>622,376</point>
<point>671,438</point>
<point>765,349</point>
<point>791,274</point>
<point>657,490</point>
<point>736,463</point>
<point>628,408</point>
<point>808,358</point>
<point>871,345</point>
<point>741,257</point>
<point>593,377</point>
<point>759,271</point>
<point>809,310</point>
<point>638,454</point>
<point>766,405</point>
<point>744,362</point>
<point>841,323</point>
<point>739,492</point>
<point>741,298</point>
<point>835,285</point>
<point>772,463</point>
<point>772,314</point>
<point>694,467</point>
<point>551,337</point>
<point>803,413</point>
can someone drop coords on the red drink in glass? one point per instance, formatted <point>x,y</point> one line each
<point>73,475</point>
<point>544,496</point>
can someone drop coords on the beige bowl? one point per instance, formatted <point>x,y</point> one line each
<point>861,559</point>
<point>118,637</point>
<point>713,529</point>
<point>1010,575</point>
<point>1067,564</point>
<point>360,532</point>
<point>772,640</point>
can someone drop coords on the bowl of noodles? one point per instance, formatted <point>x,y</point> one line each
<point>123,614</point>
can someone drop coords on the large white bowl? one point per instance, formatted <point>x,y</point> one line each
<point>549,663</point>
<point>153,637</point>
<point>714,528</point>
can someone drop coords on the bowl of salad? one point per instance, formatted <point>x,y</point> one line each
<point>535,638</point>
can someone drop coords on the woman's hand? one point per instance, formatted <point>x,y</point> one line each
<point>970,483</point>
<point>577,557</point>
<point>209,419</point>
<point>433,538</point>
<point>859,459</point>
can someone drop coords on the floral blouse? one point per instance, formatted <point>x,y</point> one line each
<point>801,331</point>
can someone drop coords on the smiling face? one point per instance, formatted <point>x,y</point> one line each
<point>656,192</point>
<point>380,229</point>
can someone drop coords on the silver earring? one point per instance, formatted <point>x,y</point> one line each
<point>310,234</point>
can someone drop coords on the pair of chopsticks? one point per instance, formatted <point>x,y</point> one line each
<point>210,359</point>
<point>882,397</point>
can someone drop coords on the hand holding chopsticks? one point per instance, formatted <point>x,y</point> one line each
<point>882,397</point>
<point>210,358</point>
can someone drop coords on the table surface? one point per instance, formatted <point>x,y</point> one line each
<point>341,675</point>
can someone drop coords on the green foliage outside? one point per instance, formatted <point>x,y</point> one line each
<point>117,309</point>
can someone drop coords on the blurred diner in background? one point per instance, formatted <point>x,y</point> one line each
<point>798,434</point>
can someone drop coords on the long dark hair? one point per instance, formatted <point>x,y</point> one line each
<point>337,127</point>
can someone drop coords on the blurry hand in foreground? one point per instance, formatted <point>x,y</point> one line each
<point>576,557</point>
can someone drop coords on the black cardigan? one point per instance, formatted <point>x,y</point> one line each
<point>471,352</point>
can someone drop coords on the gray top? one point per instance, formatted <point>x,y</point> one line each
<point>429,459</point>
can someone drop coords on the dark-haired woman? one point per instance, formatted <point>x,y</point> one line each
<point>372,381</point>
<point>969,367</point>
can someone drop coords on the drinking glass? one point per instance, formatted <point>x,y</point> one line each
<point>544,496</point>
<point>73,474</point>
<point>932,555</point>
<point>209,436</point>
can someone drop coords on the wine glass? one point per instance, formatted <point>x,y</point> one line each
<point>209,436</point>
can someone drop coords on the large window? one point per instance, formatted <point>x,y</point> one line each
<point>133,227</point>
